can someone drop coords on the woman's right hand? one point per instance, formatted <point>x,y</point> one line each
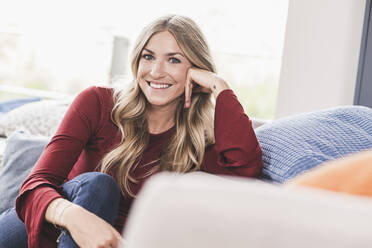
<point>86,228</point>
<point>89,230</point>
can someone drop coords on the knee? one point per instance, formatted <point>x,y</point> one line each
<point>99,185</point>
<point>101,182</point>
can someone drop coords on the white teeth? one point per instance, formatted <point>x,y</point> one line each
<point>160,86</point>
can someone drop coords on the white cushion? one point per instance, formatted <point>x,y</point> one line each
<point>198,210</point>
<point>40,118</point>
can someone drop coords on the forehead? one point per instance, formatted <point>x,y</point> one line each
<point>163,42</point>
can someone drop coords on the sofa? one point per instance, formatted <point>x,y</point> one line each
<point>201,210</point>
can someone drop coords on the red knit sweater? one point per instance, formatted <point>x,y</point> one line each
<point>87,133</point>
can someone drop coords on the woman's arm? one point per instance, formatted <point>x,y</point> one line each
<point>236,150</point>
<point>43,185</point>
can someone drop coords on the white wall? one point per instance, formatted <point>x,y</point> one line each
<point>321,55</point>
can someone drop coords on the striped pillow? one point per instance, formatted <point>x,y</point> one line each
<point>295,144</point>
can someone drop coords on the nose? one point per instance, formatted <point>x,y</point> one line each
<point>157,69</point>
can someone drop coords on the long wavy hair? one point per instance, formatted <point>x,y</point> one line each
<point>194,126</point>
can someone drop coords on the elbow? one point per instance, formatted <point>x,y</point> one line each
<point>247,166</point>
<point>251,169</point>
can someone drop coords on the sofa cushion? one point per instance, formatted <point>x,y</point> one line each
<point>39,118</point>
<point>21,153</point>
<point>6,106</point>
<point>295,144</point>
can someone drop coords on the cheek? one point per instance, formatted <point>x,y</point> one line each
<point>180,76</point>
<point>141,70</point>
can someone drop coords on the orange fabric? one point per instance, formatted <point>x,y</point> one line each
<point>352,175</point>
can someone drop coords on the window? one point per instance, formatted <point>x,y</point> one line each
<point>67,46</point>
<point>364,85</point>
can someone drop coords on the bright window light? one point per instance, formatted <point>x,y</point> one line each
<point>65,46</point>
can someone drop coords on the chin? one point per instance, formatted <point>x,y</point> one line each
<point>161,102</point>
<point>158,104</point>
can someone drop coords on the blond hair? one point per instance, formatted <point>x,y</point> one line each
<point>194,126</point>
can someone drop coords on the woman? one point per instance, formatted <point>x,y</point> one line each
<point>110,142</point>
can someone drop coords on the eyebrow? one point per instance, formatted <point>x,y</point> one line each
<point>168,54</point>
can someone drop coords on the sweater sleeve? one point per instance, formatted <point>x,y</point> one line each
<point>236,150</point>
<point>44,182</point>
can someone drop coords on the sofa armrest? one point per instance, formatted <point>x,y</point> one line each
<point>199,210</point>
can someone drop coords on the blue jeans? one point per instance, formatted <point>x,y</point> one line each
<point>94,191</point>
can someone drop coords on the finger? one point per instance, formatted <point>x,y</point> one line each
<point>116,233</point>
<point>187,89</point>
<point>190,93</point>
<point>202,79</point>
<point>116,241</point>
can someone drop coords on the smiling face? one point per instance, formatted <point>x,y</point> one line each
<point>162,71</point>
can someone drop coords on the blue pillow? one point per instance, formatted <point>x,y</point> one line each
<point>7,106</point>
<point>21,153</point>
<point>298,143</point>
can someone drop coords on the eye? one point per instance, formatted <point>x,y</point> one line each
<point>174,60</point>
<point>147,56</point>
